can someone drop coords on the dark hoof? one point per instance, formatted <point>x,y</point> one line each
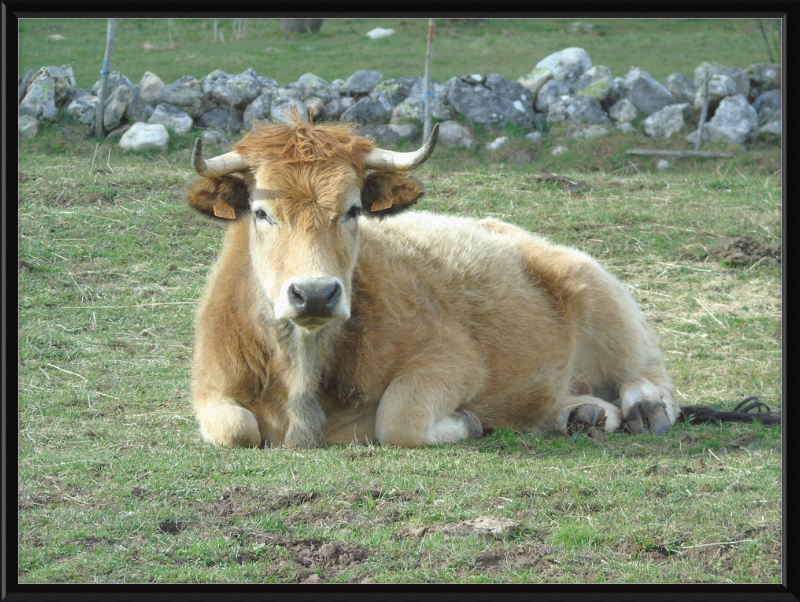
<point>647,417</point>
<point>474,425</point>
<point>587,418</point>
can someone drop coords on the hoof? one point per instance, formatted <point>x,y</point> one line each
<point>474,426</point>
<point>647,417</point>
<point>587,418</point>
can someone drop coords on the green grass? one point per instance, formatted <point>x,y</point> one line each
<point>116,485</point>
<point>510,47</point>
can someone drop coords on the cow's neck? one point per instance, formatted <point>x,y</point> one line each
<point>307,355</point>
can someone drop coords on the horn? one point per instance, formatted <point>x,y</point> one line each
<point>216,166</point>
<point>379,158</point>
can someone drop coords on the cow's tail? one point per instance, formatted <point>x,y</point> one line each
<point>750,410</point>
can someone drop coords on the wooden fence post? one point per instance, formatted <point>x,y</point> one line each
<point>99,128</point>
<point>428,95</point>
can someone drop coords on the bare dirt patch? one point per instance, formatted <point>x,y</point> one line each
<point>744,250</point>
<point>311,560</point>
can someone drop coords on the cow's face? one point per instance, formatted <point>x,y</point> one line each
<point>303,189</point>
<point>304,240</point>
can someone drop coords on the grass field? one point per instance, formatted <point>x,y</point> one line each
<point>116,486</point>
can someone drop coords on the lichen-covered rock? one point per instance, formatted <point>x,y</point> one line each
<point>534,80</point>
<point>236,91</point>
<point>187,94</point>
<point>218,118</point>
<point>83,110</point>
<point>762,77</point>
<point>550,93</point>
<point>116,105</point>
<point>567,65</point>
<point>722,82</point>
<point>595,82</point>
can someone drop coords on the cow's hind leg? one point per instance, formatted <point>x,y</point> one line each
<point>225,422</point>
<point>644,408</point>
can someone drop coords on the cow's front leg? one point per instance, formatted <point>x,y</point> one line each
<point>306,421</point>
<point>225,422</point>
<point>422,406</point>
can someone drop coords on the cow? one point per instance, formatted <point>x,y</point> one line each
<point>334,315</point>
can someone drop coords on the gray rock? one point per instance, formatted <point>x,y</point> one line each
<point>389,134</point>
<point>48,90</point>
<point>236,91</point>
<point>549,93</point>
<point>137,109</point>
<point>495,101</point>
<point>681,87</point>
<point>257,110</point>
<point>773,127</point>
<point>150,88</point>
<point>497,143</point>
<point>362,82</point>
<point>335,108</point>
<point>214,138</point>
<point>312,85</point>
<point>27,126</point>
<point>281,113</point>
<point>669,120</point>
<point>770,99</point>
<point>315,107</point>
<point>722,82</point>
<point>83,110</point>
<point>623,111</point>
<point>595,82</point>
<point>172,117</point>
<point>763,77</point>
<point>663,165</point>
<point>116,105</point>
<point>221,119</point>
<point>626,127</point>
<point>454,135</point>
<point>534,137</point>
<point>735,120</point>
<point>584,132</point>
<point>368,111</point>
<point>412,108</point>
<point>534,80</point>
<point>186,94</point>
<point>577,109</point>
<point>114,80</point>
<point>398,89</point>
<point>143,136</point>
<point>645,92</point>
<point>567,65</point>
<point>39,102</point>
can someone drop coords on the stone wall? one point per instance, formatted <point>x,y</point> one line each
<point>741,104</point>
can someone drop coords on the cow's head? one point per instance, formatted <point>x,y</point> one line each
<point>303,188</point>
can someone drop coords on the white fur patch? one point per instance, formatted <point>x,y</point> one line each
<point>447,430</point>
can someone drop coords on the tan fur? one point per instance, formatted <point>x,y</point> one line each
<point>445,314</point>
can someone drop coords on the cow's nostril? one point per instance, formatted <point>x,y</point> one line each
<point>333,297</point>
<point>315,296</point>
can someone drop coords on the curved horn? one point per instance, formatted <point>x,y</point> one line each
<point>385,159</point>
<point>216,166</point>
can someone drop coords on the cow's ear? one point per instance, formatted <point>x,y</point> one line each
<point>389,192</point>
<point>224,198</point>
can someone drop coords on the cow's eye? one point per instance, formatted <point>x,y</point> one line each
<point>262,215</point>
<point>354,212</point>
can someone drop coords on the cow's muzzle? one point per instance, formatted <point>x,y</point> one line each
<point>312,302</point>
